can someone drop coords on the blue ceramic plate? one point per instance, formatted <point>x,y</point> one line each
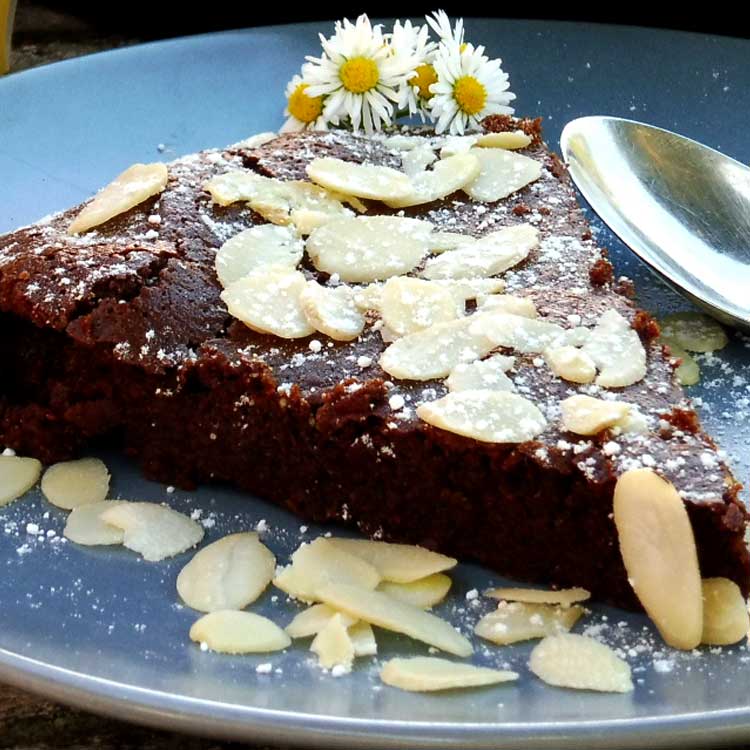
<point>101,630</point>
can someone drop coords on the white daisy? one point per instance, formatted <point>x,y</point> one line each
<point>441,25</point>
<point>413,41</point>
<point>304,112</point>
<point>358,74</point>
<point>470,86</point>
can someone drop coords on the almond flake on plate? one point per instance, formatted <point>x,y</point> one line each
<point>510,140</point>
<point>72,483</point>
<point>660,556</point>
<point>333,645</point>
<point>485,374</point>
<point>512,622</point>
<point>233,632</point>
<point>228,574</point>
<point>85,525</point>
<point>408,305</point>
<point>502,173</point>
<point>693,331</point>
<point>617,351</point>
<point>447,176</point>
<point>386,612</point>
<point>128,190</point>
<point>359,180</point>
<point>575,661</point>
<point>363,639</point>
<point>725,618</point>
<point>423,593</point>
<point>508,303</point>
<point>487,416</point>
<point>688,372</point>
<point>563,597</point>
<point>312,620</point>
<point>488,256</point>
<point>585,415</point>
<point>155,531</point>
<point>17,476</point>
<point>526,335</point>
<point>268,301</point>
<point>435,351</point>
<point>320,562</point>
<point>255,248</point>
<point>570,363</point>
<point>399,563</point>
<point>369,248</point>
<point>425,673</point>
<point>332,311</point>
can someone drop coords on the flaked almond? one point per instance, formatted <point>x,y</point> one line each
<point>426,674</point>
<point>423,593</point>
<point>234,186</point>
<point>408,305</point>
<point>369,248</point>
<point>725,618</point>
<point>457,144</point>
<point>510,140</point>
<point>442,241</point>
<point>128,190</point>
<point>415,161</point>
<point>85,525</point>
<point>312,620</point>
<point>256,140</point>
<point>321,562</point>
<point>360,180</point>
<point>525,335</point>
<point>368,297</point>
<point>563,597</point>
<point>502,173</point>
<point>447,176</point>
<point>233,632</point>
<point>280,201</point>
<point>509,303</point>
<point>488,256</point>
<point>399,563</point>
<point>485,374</point>
<point>512,622</point>
<point>17,476</point>
<point>332,311</point>
<point>155,531</point>
<point>688,372</point>
<point>575,661</point>
<point>435,351</point>
<point>487,416</point>
<point>585,415</point>
<point>693,331</point>
<point>363,639</point>
<point>617,351</point>
<point>386,612</point>
<point>228,574</point>
<point>256,248</point>
<point>660,556</point>
<point>465,289</point>
<point>268,301</point>
<point>333,645</point>
<point>570,363</point>
<point>72,483</point>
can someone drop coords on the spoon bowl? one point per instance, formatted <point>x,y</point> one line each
<point>682,207</point>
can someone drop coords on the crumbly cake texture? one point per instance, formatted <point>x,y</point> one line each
<point>120,333</point>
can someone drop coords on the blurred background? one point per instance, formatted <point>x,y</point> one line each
<point>48,30</point>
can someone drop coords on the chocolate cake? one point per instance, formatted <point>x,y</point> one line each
<point>120,333</point>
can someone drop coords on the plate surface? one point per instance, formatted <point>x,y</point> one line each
<point>101,630</point>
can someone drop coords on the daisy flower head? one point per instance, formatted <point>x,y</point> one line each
<point>359,75</point>
<point>469,87</point>
<point>413,41</point>
<point>303,112</point>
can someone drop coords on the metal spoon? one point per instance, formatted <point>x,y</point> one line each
<point>682,207</point>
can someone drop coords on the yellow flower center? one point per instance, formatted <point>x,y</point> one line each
<point>470,95</point>
<point>303,107</point>
<point>359,74</point>
<point>425,77</point>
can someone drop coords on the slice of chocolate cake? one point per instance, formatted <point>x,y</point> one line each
<point>343,411</point>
